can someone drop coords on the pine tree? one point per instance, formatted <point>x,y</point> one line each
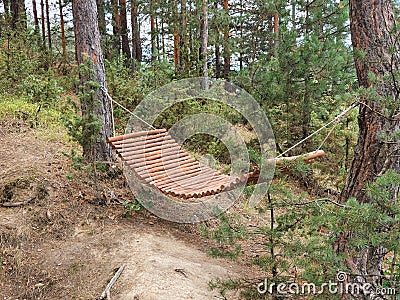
<point>96,124</point>
<point>136,42</point>
<point>126,50</point>
<point>377,64</point>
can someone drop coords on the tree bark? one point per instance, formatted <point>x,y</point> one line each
<point>371,22</point>
<point>217,60</point>
<point>101,18</point>
<point>136,43</point>
<point>152,31</point>
<point>116,27</point>
<point>227,50</point>
<point>48,24</point>
<point>18,14</point>
<point>184,46</point>
<point>88,47</point>
<point>63,41</point>
<point>35,16</point>
<point>43,23</point>
<point>126,50</point>
<point>6,6</point>
<point>157,30</point>
<point>177,37</point>
<point>276,33</point>
<point>204,43</point>
<point>177,53</point>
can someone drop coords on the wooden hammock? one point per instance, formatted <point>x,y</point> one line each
<point>160,161</point>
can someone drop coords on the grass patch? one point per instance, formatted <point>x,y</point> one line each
<point>45,119</point>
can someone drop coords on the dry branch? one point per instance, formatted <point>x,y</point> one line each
<point>16,204</point>
<point>106,292</point>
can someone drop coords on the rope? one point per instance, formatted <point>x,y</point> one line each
<point>327,136</point>
<point>124,108</point>
<point>336,119</point>
<point>112,117</point>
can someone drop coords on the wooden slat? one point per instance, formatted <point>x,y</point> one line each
<point>147,149</point>
<point>141,140</point>
<point>180,178</point>
<point>179,158</point>
<point>170,172</point>
<point>135,134</point>
<point>152,155</point>
<point>173,172</point>
<point>201,178</point>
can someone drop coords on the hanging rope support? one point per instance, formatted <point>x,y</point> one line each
<point>112,117</point>
<point>124,108</point>
<point>336,119</point>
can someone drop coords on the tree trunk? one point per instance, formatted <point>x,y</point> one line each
<point>35,16</point>
<point>184,47</point>
<point>276,33</point>
<point>177,26</point>
<point>6,6</point>
<point>63,41</point>
<point>101,18</point>
<point>241,38</point>
<point>164,53</point>
<point>126,50</point>
<point>177,53</point>
<point>136,43</point>
<point>217,60</point>
<point>152,31</point>
<point>48,24</point>
<point>204,43</point>
<point>116,27</point>
<point>372,155</point>
<point>157,30</point>
<point>371,22</point>
<point>306,102</point>
<point>43,23</point>
<point>18,14</point>
<point>227,50</point>
<point>89,50</point>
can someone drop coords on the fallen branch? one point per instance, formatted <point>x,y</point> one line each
<point>323,200</point>
<point>106,292</point>
<point>16,204</point>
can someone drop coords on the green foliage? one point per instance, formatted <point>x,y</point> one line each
<point>43,89</point>
<point>305,79</point>
<point>299,234</point>
<point>129,88</point>
<point>85,125</point>
<point>227,233</point>
<point>77,160</point>
<point>130,207</point>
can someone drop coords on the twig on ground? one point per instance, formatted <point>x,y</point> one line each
<point>106,292</point>
<point>323,200</point>
<point>182,271</point>
<point>15,204</point>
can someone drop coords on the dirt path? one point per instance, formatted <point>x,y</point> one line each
<point>61,246</point>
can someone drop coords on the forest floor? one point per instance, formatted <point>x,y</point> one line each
<point>66,244</point>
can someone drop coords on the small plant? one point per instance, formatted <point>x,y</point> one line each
<point>130,207</point>
<point>227,234</point>
<point>77,160</point>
